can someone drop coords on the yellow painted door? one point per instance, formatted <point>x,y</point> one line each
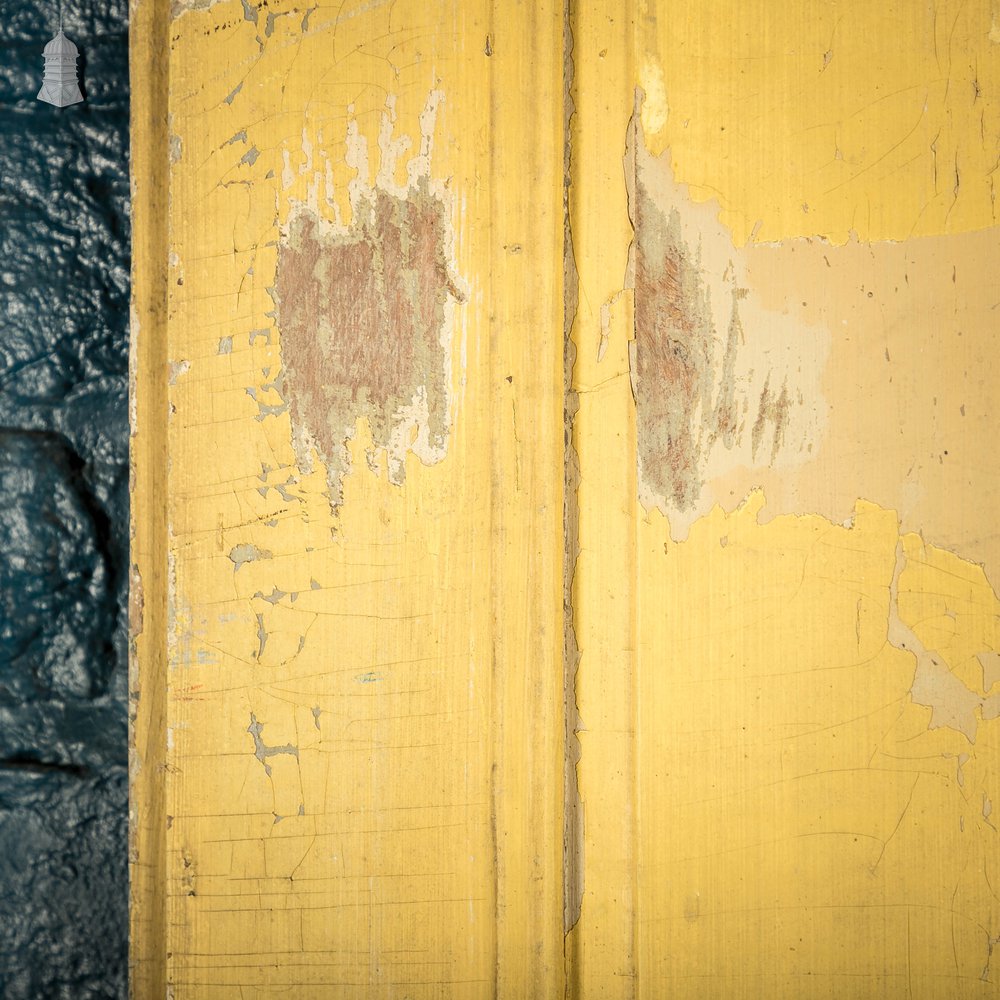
<point>564,537</point>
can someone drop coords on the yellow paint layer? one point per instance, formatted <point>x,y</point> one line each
<point>148,527</point>
<point>361,716</point>
<point>811,832</point>
<point>826,119</point>
<point>883,353</point>
<point>350,697</point>
<point>788,697</point>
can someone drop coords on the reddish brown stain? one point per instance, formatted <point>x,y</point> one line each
<point>727,415</point>
<point>684,404</point>
<point>361,314</point>
<point>690,393</point>
<point>774,410</point>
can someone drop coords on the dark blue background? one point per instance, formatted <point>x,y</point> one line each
<point>64,288</point>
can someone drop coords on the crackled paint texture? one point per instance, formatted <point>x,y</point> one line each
<point>820,121</point>
<point>355,304</point>
<point>764,595</point>
<point>785,597</point>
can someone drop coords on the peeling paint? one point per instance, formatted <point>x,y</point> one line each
<point>261,637</point>
<point>990,662</point>
<point>264,409</point>
<point>963,759</point>
<point>179,7</point>
<point>935,685</point>
<point>247,552</point>
<point>745,723</point>
<point>136,603</point>
<point>261,750</point>
<point>716,377</point>
<point>797,401</point>
<point>574,840</point>
<point>655,110</point>
<point>273,598</point>
<point>991,940</point>
<point>774,411</point>
<point>364,315</point>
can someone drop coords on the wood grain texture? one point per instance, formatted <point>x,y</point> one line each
<point>148,580</point>
<point>788,715</point>
<point>362,723</point>
<point>763,763</point>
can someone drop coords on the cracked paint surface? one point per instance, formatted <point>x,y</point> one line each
<point>854,723</point>
<point>336,277</point>
<point>956,700</point>
<point>261,750</point>
<point>884,141</point>
<point>786,588</point>
<point>778,702</point>
<point>802,352</point>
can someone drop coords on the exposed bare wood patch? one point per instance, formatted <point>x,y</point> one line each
<point>817,364</point>
<point>936,685</point>
<point>773,411</point>
<point>713,372</point>
<point>363,312</point>
<point>685,403</point>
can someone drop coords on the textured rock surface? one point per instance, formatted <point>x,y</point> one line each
<point>64,273</point>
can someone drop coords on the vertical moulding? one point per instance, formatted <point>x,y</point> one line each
<point>149,21</point>
<point>601,946</point>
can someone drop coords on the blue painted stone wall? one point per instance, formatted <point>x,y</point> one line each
<point>64,287</point>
